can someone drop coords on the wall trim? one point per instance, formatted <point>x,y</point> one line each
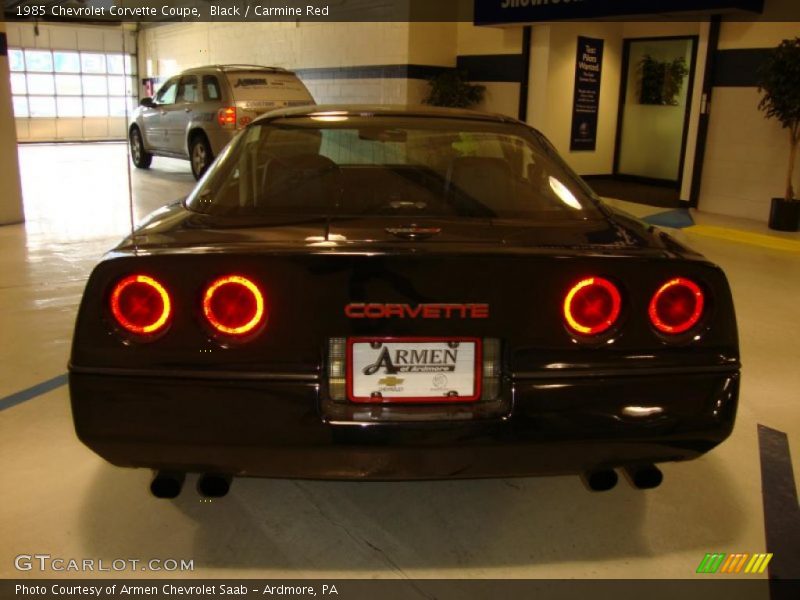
<point>739,67</point>
<point>489,68</point>
<point>493,68</point>
<point>372,72</point>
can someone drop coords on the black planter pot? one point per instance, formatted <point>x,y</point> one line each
<point>784,216</point>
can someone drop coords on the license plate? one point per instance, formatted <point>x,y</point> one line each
<point>413,370</point>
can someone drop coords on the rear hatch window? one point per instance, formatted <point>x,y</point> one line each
<point>404,167</point>
<point>259,90</point>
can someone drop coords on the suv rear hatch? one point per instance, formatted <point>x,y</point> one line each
<point>256,92</point>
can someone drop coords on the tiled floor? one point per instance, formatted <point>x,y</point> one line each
<point>61,499</point>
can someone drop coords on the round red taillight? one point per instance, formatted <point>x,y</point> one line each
<point>592,306</point>
<point>677,306</point>
<point>233,305</point>
<point>140,305</point>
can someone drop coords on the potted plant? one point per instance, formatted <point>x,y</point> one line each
<point>450,88</point>
<point>780,86</point>
<point>660,82</point>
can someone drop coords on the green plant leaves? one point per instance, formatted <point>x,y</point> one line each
<point>451,89</point>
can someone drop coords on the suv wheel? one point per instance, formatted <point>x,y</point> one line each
<point>141,158</point>
<point>200,155</point>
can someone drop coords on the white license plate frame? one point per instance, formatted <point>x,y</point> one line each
<point>363,389</point>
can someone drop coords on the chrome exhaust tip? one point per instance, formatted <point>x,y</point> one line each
<point>213,485</point>
<point>600,480</point>
<point>167,484</point>
<point>644,477</point>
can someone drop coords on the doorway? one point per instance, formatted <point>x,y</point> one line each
<point>653,124</point>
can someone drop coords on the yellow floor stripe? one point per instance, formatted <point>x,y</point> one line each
<point>757,564</point>
<point>765,563</point>
<point>752,562</point>
<point>746,237</point>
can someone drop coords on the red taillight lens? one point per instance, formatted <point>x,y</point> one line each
<point>677,306</point>
<point>227,116</point>
<point>592,306</point>
<point>233,305</point>
<point>140,305</point>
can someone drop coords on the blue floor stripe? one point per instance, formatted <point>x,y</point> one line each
<point>33,391</point>
<point>781,510</point>
<point>677,219</point>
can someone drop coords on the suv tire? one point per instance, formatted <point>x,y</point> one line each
<point>200,154</point>
<point>141,157</point>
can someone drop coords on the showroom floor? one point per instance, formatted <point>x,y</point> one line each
<point>61,499</point>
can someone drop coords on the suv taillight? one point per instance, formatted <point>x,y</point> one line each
<point>226,117</point>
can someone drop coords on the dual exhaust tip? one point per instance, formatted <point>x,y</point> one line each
<point>642,477</point>
<point>168,484</point>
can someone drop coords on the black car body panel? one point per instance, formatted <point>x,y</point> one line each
<point>564,404</point>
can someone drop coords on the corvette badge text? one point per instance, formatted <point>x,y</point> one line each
<point>417,311</point>
<point>46,563</point>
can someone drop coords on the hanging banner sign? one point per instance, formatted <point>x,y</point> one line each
<point>586,100</point>
<point>498,12</point>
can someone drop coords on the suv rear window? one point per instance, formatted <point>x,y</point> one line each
<point>211,88</point>
<point>261,85</point>
<point>394,167</point>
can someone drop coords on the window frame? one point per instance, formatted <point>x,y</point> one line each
<point>214,81</point>
<point>184,80</point>
<point>174,81</point>
<point>130,94</point>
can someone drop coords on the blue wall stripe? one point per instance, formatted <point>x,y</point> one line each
<point>490,68</point>
<point>403,71</point>
<point>33,391</point>
<point>739,67</point>
<point>484,67</point>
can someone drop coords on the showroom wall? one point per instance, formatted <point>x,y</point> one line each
<point>493,57</point>
<point>94,39</point>
<point>386,63</point>
<point>352,62</point>
<point>552,79</point>
<point>747,156</point>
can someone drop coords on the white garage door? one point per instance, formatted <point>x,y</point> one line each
<point>71,94</point>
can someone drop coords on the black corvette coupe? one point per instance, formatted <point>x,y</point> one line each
<point>390,293</point>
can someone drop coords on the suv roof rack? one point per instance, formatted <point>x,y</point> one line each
<point>243,66</point>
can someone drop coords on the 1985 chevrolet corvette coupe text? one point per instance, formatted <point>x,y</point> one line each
<point>380,293</point>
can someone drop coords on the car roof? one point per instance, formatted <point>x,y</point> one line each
<point>234,68</point>
<point>384,110</point>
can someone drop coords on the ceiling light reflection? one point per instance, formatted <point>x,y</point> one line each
<point>564,194</point>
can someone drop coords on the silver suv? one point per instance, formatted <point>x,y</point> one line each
<point>194,114</point>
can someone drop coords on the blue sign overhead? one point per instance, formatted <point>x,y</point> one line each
<point>498,12</point>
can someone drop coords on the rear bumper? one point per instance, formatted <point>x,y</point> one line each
<point>218,138</point>
<point>278,429</point>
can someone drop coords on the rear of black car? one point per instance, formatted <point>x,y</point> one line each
<point>400,296</point>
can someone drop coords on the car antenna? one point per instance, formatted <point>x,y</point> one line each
<point>127,75</point>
